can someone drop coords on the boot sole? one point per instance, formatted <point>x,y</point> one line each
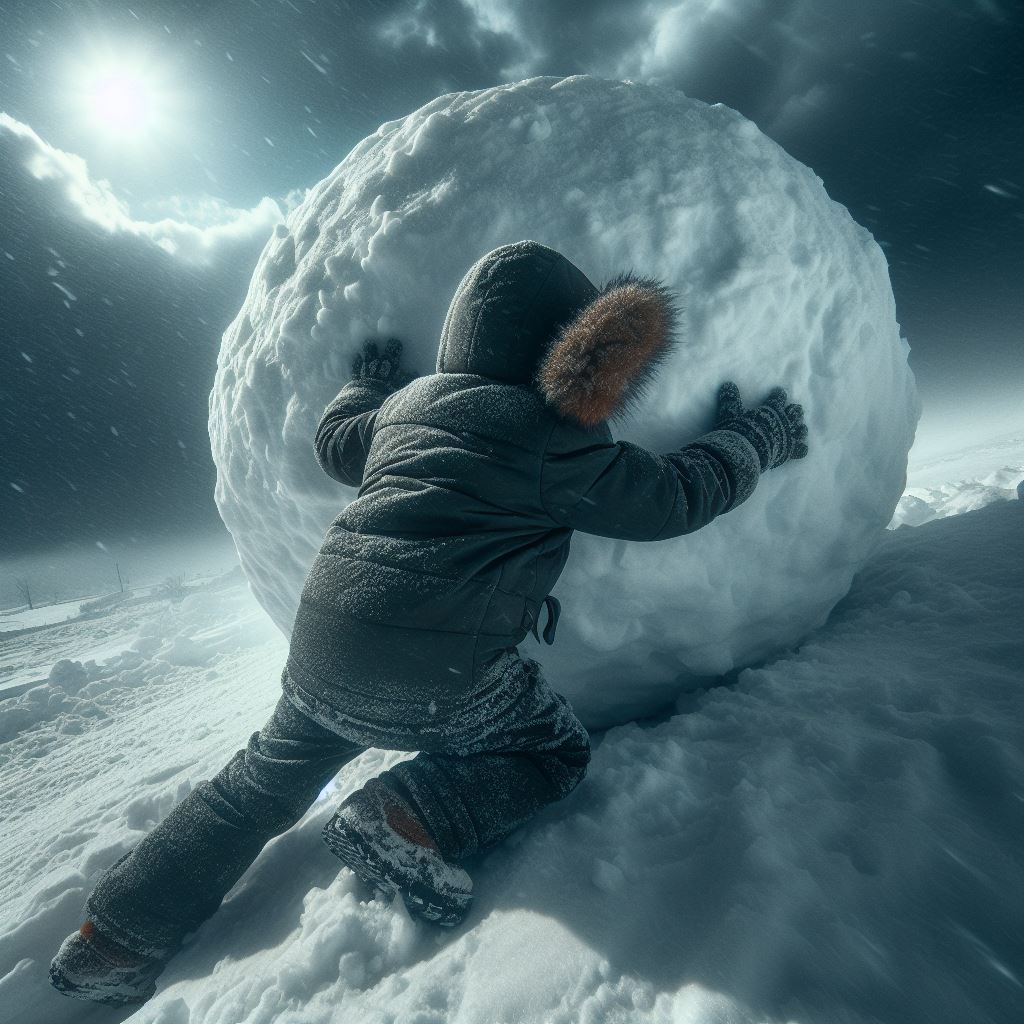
<point>357,854</point>
<point>98,993</point>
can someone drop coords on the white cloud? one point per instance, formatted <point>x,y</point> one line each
<point>192,230</point>
<point>796,110</point>
<point>295,197</point>
<point>682,32</point>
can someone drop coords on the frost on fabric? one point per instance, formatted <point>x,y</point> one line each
<point>739,454</point>
<point>779,285</point>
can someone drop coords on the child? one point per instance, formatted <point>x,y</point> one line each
<point>471,481</point>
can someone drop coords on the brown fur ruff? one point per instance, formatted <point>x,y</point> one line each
<point>602,361</point>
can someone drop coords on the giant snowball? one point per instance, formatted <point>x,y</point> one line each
<point>779,285</point>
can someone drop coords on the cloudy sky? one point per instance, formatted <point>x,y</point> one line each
<point>128,235</point>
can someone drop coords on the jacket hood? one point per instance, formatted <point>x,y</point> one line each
<point>524,314</point>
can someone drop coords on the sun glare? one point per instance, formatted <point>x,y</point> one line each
<point>122,97</point>
<point>121,103</point>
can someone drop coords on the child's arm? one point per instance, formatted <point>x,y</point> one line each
<point>346,428</point>
<point>345,432</point>
<point>618,489</point>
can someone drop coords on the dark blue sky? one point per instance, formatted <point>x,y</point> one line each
<point>910,112</point>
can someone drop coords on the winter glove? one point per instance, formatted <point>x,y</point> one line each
<point>371,367</point>
<point>776,430</point>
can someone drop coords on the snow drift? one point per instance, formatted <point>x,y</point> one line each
<point>779,286</point>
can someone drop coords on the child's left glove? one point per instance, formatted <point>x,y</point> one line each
<point>776,429</point>
<point>370,366</point>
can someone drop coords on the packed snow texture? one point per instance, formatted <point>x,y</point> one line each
<point>832,837</point>
<point>780,286</point>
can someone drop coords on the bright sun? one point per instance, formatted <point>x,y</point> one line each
<point>122,97</point>
<point>121,103</point>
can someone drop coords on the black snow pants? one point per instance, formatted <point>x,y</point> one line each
<point>518,749</point>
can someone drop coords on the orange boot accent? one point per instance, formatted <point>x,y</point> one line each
<point>409,828</point>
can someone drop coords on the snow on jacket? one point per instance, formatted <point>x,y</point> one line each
<point>472,479</point>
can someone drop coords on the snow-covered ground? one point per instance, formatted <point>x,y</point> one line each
<point>92,630</point>
<point>834,836</point>
<point>24,617</point>
<point>961,480</point>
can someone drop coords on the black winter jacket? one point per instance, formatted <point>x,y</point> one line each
<point>472,479</point>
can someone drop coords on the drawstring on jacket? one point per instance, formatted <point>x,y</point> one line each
<point>554,607</point>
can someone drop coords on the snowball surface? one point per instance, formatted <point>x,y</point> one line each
<point>779,286</point>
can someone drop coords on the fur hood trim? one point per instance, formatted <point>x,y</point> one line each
<point>602,361</point>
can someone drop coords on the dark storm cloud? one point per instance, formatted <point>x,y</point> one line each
<point>110,332</point>
<point>783,63</point>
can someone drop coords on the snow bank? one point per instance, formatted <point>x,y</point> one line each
<point>962,481</point>
<point>835,837</point>
<point>920,505</point>
<point>194,632</point>
<point>23,617</point>
<point>779,284</point>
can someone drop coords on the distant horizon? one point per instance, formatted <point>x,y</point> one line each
<point>78,569</point>
<point>951,432</point>
<point>148,559</point>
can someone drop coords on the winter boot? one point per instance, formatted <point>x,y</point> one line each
<point>88,965</point>
<point>377,835</point>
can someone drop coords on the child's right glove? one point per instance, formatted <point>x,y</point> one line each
<point>776,430</point>
<point>372,367</point>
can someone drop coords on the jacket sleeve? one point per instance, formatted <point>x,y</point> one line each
<point>618,489</point>
<point>346,430</point>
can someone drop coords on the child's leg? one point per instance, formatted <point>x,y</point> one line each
<point>177,875</point>
<point>518,752</point>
